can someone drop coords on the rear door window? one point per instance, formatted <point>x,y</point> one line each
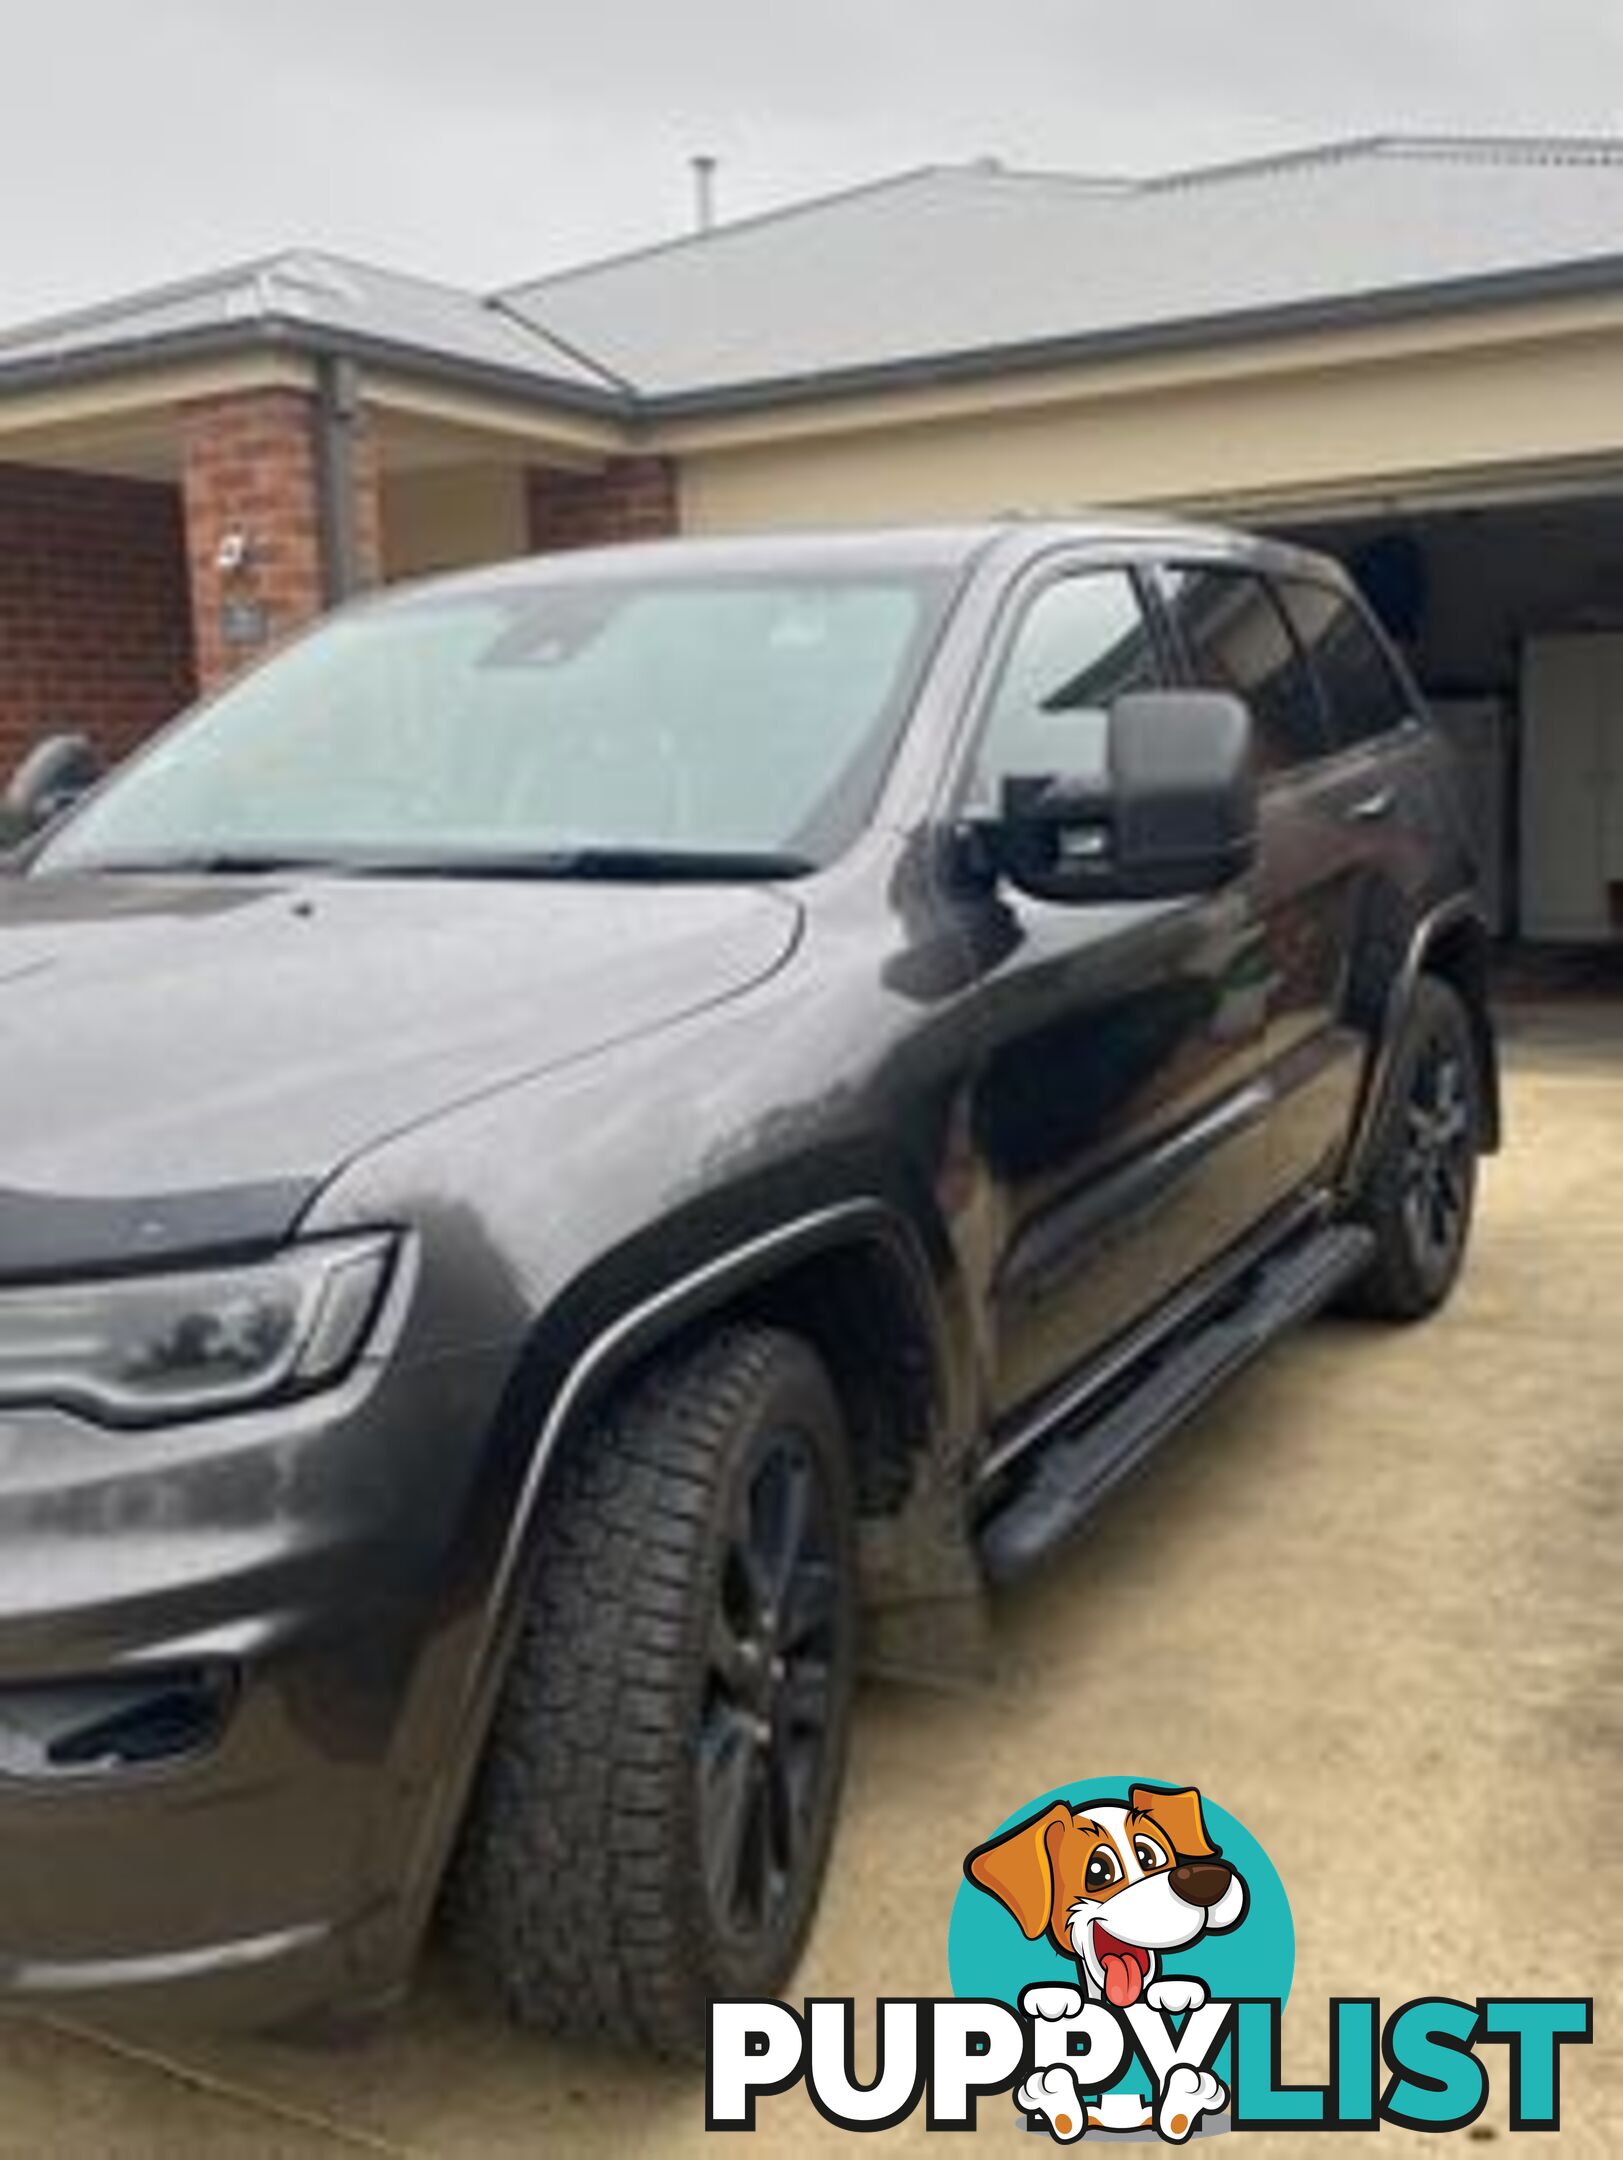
<point>1235,638</point>
<point>1363,692</point>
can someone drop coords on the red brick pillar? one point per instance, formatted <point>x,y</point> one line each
<point>251,483</point>
<point>631,498</point>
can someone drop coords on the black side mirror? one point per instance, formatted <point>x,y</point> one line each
<point>50,779</point>
<point>1174,813</point>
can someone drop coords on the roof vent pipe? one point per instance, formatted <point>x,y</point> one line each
<point>704,191</point>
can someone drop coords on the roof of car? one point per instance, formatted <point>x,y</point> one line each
<point>855,550</point>
<point>910,549</point>
<point>940,270</point>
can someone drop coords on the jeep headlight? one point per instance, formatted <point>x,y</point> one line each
<point>137,1349</point>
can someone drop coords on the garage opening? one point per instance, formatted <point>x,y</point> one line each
<point>1511,615</point>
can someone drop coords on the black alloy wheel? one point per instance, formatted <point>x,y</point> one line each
<point>1419,1187</point>
<point>770,1686</point>
<point>1440,1156</point>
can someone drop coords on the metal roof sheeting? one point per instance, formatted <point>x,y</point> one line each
<point>949,266</point>
<point>959,261</point>
<point>314,298</point>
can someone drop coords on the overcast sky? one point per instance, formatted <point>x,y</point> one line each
<point>484,140</point>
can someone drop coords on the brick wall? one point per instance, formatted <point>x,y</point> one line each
<point>631,498</point>
<point>95,625</point>
<point>249,465</point>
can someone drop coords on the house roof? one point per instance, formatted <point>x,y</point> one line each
<point>320,301</point>
<point>943,269</point>
<point>962,265</point>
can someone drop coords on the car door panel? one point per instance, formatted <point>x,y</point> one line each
<point>1119,1118</point>
<point>1309,871</point>
<point>1233,634</point>
<point>1115,1113</point>
<point>1337,851</point>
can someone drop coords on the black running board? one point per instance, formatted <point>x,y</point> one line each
<point>1072,1471</point>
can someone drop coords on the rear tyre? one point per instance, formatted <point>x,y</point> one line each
<point>1420,1187</point>
<point>654,1813</point>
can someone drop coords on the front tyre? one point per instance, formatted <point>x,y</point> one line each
<point>654,1813</point>
<point>1420,1187</point>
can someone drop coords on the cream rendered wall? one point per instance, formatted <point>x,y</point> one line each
<point>444,517</point>
<point>1311,431</point>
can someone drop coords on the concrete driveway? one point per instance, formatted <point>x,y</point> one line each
<point>1371,1601</point>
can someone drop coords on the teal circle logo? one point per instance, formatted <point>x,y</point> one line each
<point>988,1953</point>
<point>1112,1864</point>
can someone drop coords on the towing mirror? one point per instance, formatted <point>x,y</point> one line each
<point>50,779</point>
<point>1174,813</point>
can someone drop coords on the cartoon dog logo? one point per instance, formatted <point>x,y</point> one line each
<point>1114,1887</point>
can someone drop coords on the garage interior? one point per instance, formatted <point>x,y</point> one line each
<point>1511,615</point>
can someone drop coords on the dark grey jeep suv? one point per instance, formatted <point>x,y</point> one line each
<point>595,1138</point>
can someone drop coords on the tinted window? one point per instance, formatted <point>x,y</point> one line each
<point>1083,643</point>
<point>1237,639</point>
<point>1361,687</point>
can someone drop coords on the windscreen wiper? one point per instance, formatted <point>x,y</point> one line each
<point>609,864</point>
<point>631,865</point>
<point>212,862</point>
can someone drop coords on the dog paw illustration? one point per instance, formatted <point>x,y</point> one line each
<point>1175,1995</point>
<point>1187,2095</point>
<point>1122,2111</point>
<point>1053,2094</point>
<point>1051,2004</point>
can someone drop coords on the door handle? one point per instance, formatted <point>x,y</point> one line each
<point>1370,809</point>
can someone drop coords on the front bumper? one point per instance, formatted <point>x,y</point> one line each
<point>321,1564</point>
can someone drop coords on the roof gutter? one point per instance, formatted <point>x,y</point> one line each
<point>231,340</point>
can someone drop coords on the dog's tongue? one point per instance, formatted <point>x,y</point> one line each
<point>1123,1979</point>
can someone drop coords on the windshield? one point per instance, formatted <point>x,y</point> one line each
<point>564,722</point>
